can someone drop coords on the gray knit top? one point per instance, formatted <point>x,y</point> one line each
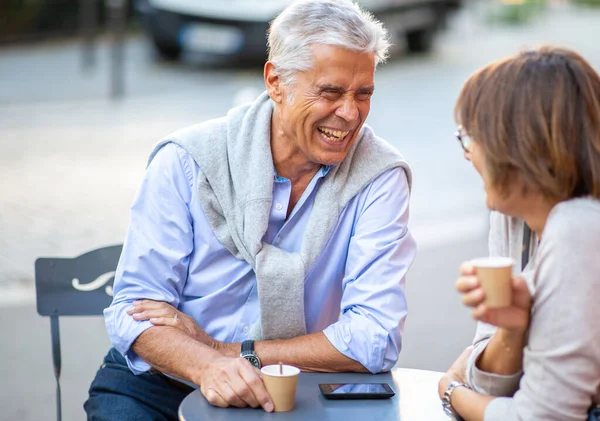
<point>561,364</point>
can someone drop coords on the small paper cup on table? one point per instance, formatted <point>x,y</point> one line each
<point>281,382</point>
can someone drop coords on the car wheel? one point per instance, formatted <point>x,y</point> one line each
<point>166,51</point>
<point>420,41</point>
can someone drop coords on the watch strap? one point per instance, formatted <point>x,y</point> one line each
<point>248,347</point>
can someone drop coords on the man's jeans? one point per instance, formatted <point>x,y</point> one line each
<point>118,394</point>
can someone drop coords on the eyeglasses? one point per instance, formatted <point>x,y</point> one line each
<point>463,139</point>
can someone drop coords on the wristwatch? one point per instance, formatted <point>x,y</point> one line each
<point>446,400</point>
<point>249,354</point>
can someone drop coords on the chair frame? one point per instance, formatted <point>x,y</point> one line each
<point>81,286</point>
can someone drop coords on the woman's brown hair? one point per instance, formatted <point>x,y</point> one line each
<point>536,115</point>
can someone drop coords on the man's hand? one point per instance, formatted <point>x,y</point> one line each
<point>224,381</point>
<point>513,318</point>
<point>160,313</point>
<point>456,372</point>
<point>228,381</point>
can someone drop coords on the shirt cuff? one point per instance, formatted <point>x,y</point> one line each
<point>490,384</point>
<point>123,330</point>
<point>500,409</point>
<point>362,341</point>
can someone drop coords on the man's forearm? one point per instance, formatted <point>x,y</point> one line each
<point>173,352</point>
<point>503,353</point>
<point>312,352</point>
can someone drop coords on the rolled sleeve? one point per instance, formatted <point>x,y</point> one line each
<point>491,384</point>
<point>155,257</point>
<point>380,253</point>
<point>364,341</point>
<point>123,330</point>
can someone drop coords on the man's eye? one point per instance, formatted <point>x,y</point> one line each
<point>331,95</point>
<point>364,96</point>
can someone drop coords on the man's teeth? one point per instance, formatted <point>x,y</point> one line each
<point>336,134</point>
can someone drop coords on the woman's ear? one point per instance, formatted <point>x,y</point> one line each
<point>273,82</point>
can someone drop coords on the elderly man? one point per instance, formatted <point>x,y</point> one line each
<point>250,233</point>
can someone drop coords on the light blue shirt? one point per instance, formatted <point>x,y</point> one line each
<point>171,254</point>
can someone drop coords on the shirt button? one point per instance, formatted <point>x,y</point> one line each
<point>246,329</point>
<point>279,206</point>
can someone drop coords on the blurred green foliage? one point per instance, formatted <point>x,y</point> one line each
<point>515,11</point>
<point>593,3</point>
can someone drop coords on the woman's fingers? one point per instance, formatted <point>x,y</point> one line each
<point>480,312</point>
<point>466,269</point>
<point>512,318</point>
<point>467,283</point>
<point>515,316</point>
<point>473,298</point>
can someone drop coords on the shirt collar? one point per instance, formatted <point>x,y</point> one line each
<point>322,173</point>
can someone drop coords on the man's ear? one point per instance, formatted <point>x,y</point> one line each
<point>273,83</point>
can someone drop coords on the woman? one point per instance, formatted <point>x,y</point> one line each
<point>534,124</point>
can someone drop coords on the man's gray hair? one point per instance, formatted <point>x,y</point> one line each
<point>340,23</point>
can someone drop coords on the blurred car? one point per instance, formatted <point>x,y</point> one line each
<point>237,28</point>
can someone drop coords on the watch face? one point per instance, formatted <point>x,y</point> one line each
<point>253,360</point>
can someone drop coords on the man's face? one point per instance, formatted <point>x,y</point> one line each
<point>330,104</point>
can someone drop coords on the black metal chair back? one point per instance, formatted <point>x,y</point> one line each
<point>81,286</point>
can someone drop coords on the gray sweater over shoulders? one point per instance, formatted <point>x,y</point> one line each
<point>561,363</point>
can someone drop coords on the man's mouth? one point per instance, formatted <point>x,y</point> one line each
<point>333,135</point>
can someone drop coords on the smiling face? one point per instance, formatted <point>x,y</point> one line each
<point>329,105</point>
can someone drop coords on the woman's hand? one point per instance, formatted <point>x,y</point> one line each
<point>160,313</point>
<point>512,318</point>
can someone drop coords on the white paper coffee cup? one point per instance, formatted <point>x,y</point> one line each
<point>495,277</point>
<point>281,382</point>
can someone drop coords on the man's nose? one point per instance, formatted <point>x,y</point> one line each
<point>348,110</point>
